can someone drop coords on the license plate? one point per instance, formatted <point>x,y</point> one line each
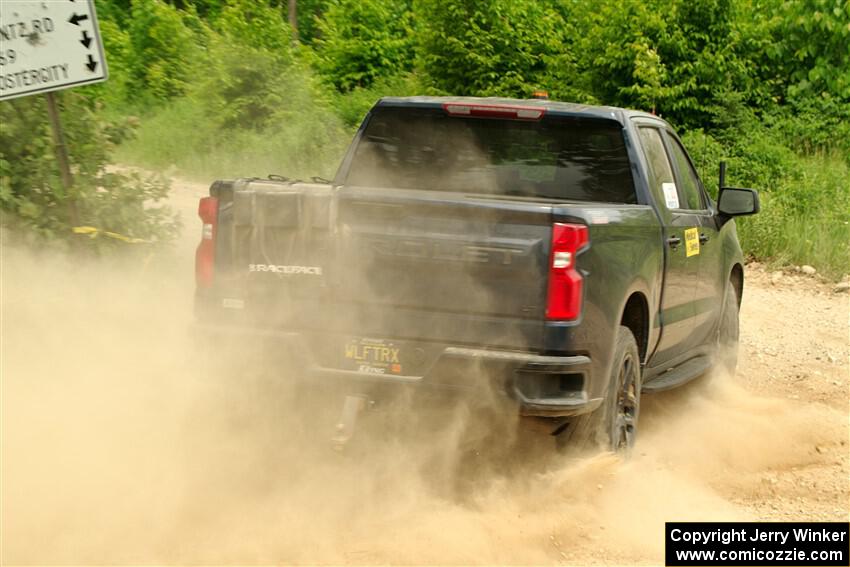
<point>374,356</point>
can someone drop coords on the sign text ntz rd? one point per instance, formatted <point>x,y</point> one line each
<point>48,45</point>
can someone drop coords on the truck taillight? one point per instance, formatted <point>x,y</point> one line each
<point>205,254</point>
<point>564,298</point>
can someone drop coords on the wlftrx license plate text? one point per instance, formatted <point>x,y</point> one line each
<point>376,356</point>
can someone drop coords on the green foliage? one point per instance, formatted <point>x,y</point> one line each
<point>117,11</point>
<point>253,114</point>
<point>163,52</point>
<point>31,187</point>
<point>675,58</point>
<point>813,125</point>
<point>813,50</point>
<point>253,24</point>
<point>361,40</point>
<point>116,43</point>
<point>352,106</point>
<point>310,13</point>
<point>486,48</point>
<point>244,88</point>
<point>295,143</point>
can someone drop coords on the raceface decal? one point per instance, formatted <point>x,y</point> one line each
<point>288,270</point>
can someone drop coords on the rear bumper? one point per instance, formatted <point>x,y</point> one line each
<point>546,386</point>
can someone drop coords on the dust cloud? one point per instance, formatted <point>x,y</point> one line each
<point>126,438</point>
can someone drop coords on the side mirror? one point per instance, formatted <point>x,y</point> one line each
<point>734,202</point>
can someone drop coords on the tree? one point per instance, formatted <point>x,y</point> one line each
<point>813,39</point>
<point>676,58</point>
<point>256,25</point>
<point>486,47</point>
<point>163,51</point>
<point>361,40</point>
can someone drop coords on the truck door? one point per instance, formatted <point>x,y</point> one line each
<point>707,248</point>
<point>681,267</point>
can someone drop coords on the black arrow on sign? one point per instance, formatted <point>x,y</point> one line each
<point>92,64</point>
<point>76,19</point>
<point>86,39</point>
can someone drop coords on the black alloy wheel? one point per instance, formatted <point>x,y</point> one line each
<point>613,425</point>
<point>624,424</point>
<point>729,330</point>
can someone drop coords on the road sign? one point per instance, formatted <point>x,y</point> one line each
<point>48,45</point>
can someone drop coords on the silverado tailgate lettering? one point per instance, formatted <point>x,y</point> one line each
<point>422,249</point>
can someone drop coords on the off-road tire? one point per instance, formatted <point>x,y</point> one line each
<point>728,331</point>
<point>613,425</point>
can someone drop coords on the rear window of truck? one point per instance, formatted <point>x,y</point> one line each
<point>558,158</point>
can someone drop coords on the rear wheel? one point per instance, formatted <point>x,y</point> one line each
<point>613,426</point>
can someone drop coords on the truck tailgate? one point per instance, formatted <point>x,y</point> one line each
<point>423,265</point>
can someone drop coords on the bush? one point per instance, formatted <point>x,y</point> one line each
<point>245,88</point>
<point>32,191</point>
<point>253,114</point>
<point>352,106</point>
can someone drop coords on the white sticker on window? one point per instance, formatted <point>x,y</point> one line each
<point>671,196</point>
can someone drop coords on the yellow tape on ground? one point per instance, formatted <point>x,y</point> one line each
<point>95,232</point>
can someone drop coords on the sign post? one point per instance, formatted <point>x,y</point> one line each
<point>62,157</point>
<point>46,46</point>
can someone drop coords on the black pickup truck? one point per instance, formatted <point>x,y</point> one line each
<point>564,257</point>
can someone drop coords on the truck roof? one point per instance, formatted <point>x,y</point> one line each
<point>555,107</point>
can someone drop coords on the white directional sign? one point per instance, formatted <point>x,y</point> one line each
<point>48,45</point>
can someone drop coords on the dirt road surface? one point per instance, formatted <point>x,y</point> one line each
<point>122,442</point>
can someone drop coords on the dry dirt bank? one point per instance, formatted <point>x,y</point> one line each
<point>121,444</point>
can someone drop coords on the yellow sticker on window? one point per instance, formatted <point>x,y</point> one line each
<point>691,242</point>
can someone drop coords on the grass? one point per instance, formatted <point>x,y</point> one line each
<point>805,218</point>
<point>182,138</point>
